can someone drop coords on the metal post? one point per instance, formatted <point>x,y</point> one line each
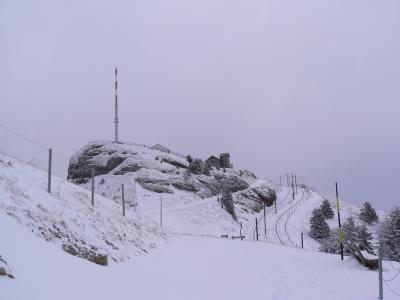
<point>265,222</point>
<point>241,226</point>
<point>292,191</point>
<point>123,200</point>
<point>92,186</point>
<point>302,244</point>
<point>340,226</point>
<point>49,173</point>
<point>161,211</point>
<point>380,273</point>
<point>256,229</point>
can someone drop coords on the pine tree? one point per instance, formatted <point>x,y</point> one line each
<point>350,231</point>
<point>364,239</point>
<point>327,209</point>
<point>319,228</point>
<point>207,169</point>
<point>389,236</point>
<point>368,213</point>
<point>196,166</point>
<point>227,203</point>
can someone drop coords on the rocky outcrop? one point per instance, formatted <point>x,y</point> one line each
<point>89,253</point>
<point>5,269</point>
<point>253,199</point>
<point>221,183</point>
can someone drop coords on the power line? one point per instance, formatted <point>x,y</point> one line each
<point>394,277</point>
<point>31,141</point>
<point>390,289</point>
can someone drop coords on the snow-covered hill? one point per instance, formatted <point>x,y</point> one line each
<point>67,219</point>
<point>195,264</point>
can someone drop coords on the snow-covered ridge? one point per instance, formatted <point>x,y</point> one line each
<point>67,219</point>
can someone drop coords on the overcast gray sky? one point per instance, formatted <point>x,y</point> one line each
<point>310,87</point>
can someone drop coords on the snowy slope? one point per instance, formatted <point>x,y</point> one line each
<point>67,219</point>
<point>186,268</point>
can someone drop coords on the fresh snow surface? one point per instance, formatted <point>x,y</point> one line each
<point>195,264</point>
<point>186,268</point>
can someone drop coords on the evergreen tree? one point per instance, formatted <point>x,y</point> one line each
<point>389,236</point>
<point>196,166</point>
<point>350,231</point>
<point>207,169</point>
<point>368,213</point>
<point>189,158</point>
<point>364,239</point>
<point>319,229</point>
<point>327,209</point>
<point>227,203</point>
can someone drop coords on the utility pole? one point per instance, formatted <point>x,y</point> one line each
<point>116,120</point>
<point>49,173</point>
<point>340,226</point>
<point>92,186</point>
<point>161,211</point>
<point>380,273</point>
<point>256,229</point>
<point>292,191</point>
<point>123,200</point>
<point>265,222</point>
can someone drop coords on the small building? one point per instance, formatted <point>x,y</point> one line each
<point>161,148</point>
<point>213,161</point>
<point>225,160</point>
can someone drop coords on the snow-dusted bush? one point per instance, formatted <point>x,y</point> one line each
<point>327,209</point>
<point>368,213</point>
<point>331,243</point>
<point>227,203</point>
<point>389,236</point>
<point>319,229</point>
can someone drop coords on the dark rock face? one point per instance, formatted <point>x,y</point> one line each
<point>254,199</point>
<point>4,269</point>
<point>214,162</point>
<point>222,183</point>
<point>128,169</point>
<point>154,185</point>
<point>185,186</point>
<point>89,254</point>
<point>80,171</point>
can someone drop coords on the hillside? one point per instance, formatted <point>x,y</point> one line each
<point>195,263</point>
<point>67,219</point>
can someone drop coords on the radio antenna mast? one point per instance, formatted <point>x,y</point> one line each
<point>116,121</point>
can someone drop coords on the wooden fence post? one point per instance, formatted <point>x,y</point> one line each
<point>123,200</point>
<point>49,173</point>
<point>92,186</point>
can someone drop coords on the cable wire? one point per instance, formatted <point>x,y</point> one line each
<point>32,141</point>
<point>390,289</point>
<point>394,277</point>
